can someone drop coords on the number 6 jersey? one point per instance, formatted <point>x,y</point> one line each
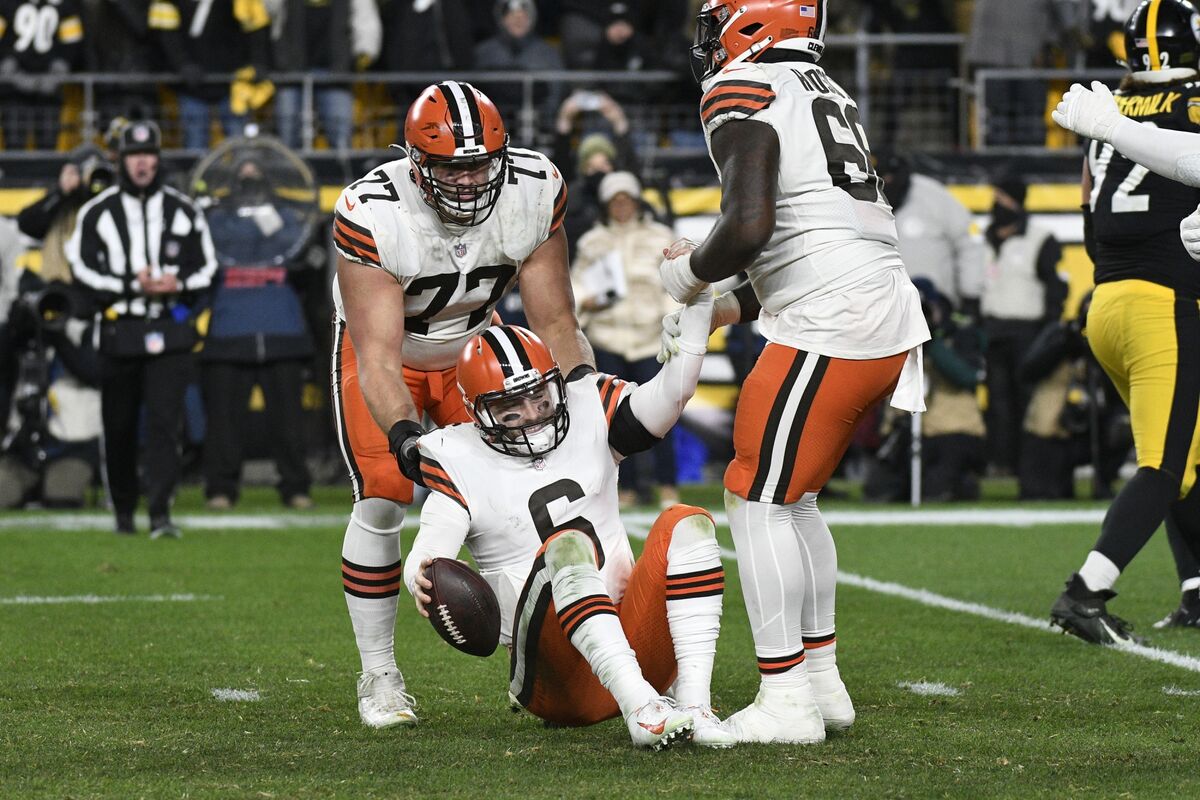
<point>453,276</point>
<point>834,229</point>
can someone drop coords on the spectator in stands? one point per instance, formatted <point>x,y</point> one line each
<point>935,233</point>
<point>210,39</point>
<point>51,219</point>
<point>605,145</point>
<point>952,429</point>
<point>1022,291</point>
<point>320,37</point>
<point>1014,34</point>
<point>517,47</point>
<point>119,41</point>
<point>588,27</point>
<point>40,42</point>
<point>425,36</point>
<point>257,335</point>
<point>143,252</point>
<point>921,70</point>
<point>621,303</point>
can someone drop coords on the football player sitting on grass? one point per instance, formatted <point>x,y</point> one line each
<point>531,488</point>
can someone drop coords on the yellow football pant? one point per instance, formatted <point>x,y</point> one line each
<point>1148,341</point>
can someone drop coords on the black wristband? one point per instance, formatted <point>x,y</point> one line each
<point>401,432</point>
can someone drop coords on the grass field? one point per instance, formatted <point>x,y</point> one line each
<point>116,698</point>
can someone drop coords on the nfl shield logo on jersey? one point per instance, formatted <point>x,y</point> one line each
<point>460,250</point>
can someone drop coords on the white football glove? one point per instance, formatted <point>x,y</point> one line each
<point>1189,234</point>
<point>726,310</point>
<point>1092,113</point>
<point>678,279</point>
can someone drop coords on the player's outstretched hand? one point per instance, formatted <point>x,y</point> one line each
<point>1092,113</point>
<point>421,588</point>
<point>1189,234</point>
<point>688,328</point>
<point>670,333</point>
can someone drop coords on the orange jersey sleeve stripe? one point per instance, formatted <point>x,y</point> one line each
<point>560,209</point>
<point>741,89</point>
<point>354,229</point>
<point>748,107</point>
<point>353,250</point>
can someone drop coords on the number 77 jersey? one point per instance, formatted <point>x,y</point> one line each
<point>453,276</point>
<point>833,225</point>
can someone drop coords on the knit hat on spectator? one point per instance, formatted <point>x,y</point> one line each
<point>615,183</point>
<point>592,144</point>
<point>141,136</point>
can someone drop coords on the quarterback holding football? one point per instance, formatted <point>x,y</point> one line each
<point>531,489</point>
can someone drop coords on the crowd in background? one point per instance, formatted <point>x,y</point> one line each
<point>1012,386</point>
<point>224,61</point>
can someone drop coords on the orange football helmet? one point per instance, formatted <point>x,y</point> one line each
<point>729,31</point>
<point>514,391</point>
<point>456,141</point>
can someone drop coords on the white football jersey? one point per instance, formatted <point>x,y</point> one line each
<point>453,276</point>
<point>515,503</point>
<point>834,228</point>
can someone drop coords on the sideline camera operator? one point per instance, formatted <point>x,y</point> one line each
<point>144,252</point>
<point>48,452</point>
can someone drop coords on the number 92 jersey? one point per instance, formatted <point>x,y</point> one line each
<point>1136,213</point>
<point>453,276</point>
<point>833,226</point>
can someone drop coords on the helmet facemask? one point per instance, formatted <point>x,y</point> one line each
<point>707,53</point>
<point>527,418</point>
<point>465,203</point>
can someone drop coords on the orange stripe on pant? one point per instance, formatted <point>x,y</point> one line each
<point>372,466</point>
<point>795,416</point>
<point>565,690</point>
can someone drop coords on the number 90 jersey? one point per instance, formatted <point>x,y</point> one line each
<point>1136,213</point>
<point>453,276</point>
<point>833,226</point>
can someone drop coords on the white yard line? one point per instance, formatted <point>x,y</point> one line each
<point>236,695</point>
<point>95,599</point>
<point>957,516</point>
<point>928,598</point>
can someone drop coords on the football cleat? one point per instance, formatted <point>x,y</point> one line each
<point>708,731</point>
<point>1187,615</point>
<point>1081,612</point>
<point>832,698</point>
<point>382,701</point>
<point>778,717</point>
<point>163,528</point>
<point>659,724</point>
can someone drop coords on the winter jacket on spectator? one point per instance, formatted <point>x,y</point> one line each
<point>936,240</point>
<point>430,39</point>
<point>338,35</point>
<point>200,39</point>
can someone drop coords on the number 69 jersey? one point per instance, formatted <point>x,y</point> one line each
<point>506,506</point>
<point>1136,213</point>
<point>453,276</point>
<point>834,228</point>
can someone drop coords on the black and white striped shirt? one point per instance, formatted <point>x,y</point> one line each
<point>118,234</point>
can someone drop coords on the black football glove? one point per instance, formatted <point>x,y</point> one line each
<point>402,441</point>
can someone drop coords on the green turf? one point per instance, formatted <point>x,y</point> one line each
<point>114,700</point>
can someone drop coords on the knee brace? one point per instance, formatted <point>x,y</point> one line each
<point>569,549</point>
<point>379,516</point>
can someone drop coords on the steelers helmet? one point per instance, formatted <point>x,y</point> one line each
<point>1162,40</point>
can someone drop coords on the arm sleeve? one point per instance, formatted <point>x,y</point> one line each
<point>1172,154</point>
<point>444,527</point>
<point>366,29</point>
<point>198,274</point>
<point>1047,272</point>
<point>968,251</point>
<point>82,250</point>
<point>35,218</point>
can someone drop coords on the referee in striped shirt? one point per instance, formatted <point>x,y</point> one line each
<point>143,251</point>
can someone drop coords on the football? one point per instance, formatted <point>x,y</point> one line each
<point>463,608</point>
